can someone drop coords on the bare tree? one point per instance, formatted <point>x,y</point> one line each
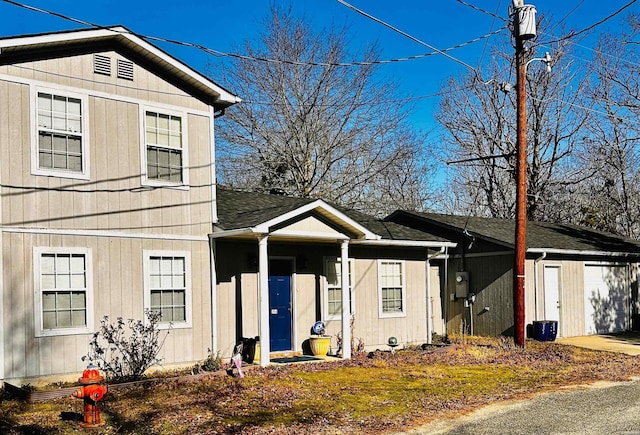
<point>613,194</point>
<point>479,119</point>
<point>314,128</point>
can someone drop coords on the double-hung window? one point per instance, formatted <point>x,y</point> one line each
<point>333,274</point>
<point>60,145</point>
<point>63,299</point>
<point>165,148</point>
<point>168,287</point>
<point>392,291</point>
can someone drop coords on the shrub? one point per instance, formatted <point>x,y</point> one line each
<point>126,355</point>
<point>212,363</point>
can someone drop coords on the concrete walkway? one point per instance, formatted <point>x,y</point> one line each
<point>624,342</point>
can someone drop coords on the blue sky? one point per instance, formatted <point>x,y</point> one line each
<point>224,25</point>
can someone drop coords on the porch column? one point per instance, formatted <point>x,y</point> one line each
<point>263,296</point>
<point>346,312</point>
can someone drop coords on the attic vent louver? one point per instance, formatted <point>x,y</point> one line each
<point>125,69</point>
<point>102,64</point>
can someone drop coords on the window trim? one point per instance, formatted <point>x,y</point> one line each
<point>145,181</point>
<point>352,293</point>
<point>403,271</point>
<point>35,155</point>
<point>146,268</point>
<point>38,318</point>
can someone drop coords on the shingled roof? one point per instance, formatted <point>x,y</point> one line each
<point>238,209</point>
<point>540,235</point>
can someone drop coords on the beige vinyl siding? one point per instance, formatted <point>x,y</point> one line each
<point>117,290</point>
<point>368,326</point>
<point>49,211</point>
<point>112,200</point>
<point>77,71</point>
<point>305,305</point>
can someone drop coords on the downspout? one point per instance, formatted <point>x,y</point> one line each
<point>535,283</point>
<point>429,311</point>
<point>214,296</point>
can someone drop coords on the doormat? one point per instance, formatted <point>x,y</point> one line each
<point>295,359</point>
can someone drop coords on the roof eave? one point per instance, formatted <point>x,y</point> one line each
<point>585,253</point>
<point>217,95</point>
<point>405,243</point>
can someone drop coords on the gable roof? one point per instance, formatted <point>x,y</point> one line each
<point>244,211</point>
<point>541,236</point>
<point>25,47</point>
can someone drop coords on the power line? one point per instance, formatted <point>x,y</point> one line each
<point>486,42</point>
<point>494,15</point>
<point>371,103</point>
<point>575,8</point>
<point>218,53</point>
<point>586,29</point>
<point>405,34</point>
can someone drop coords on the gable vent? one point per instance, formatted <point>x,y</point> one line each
<point>125,69</point>
<point>102,64</point>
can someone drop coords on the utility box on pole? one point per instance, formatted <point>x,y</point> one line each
<point>526,22</point>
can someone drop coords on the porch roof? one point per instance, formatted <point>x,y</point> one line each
<point>245,213</point>
<point>541,236</point>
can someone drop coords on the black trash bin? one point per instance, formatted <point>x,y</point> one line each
<point>248,349</point>
<point>545,330</point>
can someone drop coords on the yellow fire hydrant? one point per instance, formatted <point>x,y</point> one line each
<point>92,392</point>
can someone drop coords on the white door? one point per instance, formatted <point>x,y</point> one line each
<point>552,294</point>
<point>605,299</point>
<point>435,308</point>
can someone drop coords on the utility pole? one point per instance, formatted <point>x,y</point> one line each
<point>521,34</point>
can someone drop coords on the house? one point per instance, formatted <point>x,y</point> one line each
<point>109,207</point>
<point>585,279</point>
<point>107,196</point>
<point>281,264</point>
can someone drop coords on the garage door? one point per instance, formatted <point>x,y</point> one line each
<point>606,299</point>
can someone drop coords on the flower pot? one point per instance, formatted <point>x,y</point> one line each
<point>320,344</point>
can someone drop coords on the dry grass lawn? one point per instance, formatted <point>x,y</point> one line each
<point>374,393</point>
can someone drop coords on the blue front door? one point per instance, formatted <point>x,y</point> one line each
<point>280,309</point>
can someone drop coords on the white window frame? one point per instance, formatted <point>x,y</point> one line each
<point>147,254</point>
<point>403,286</point>
<point>38,305</point>
<point>146,181</point>
<point>84,135</point>
<point>327,286</point>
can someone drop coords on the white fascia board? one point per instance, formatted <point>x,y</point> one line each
<point>309,235</point>
<point>232,233</point>
<point>585,253</point>
<point>264,227</point>
<point>55,37</point>
<point>78,35</point>
<point>405,243</point>
<point>223,94</point>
